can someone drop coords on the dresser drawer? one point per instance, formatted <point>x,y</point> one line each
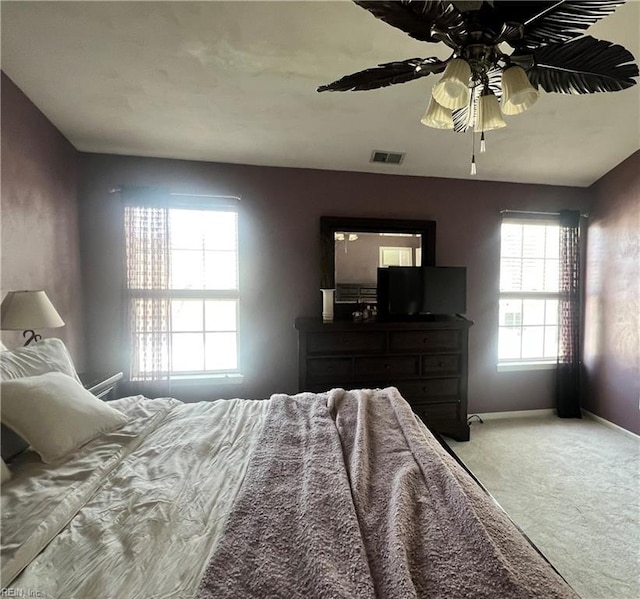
<point>320,387</point>
<point>326,369</point>
<point>385,368</point>
<point>441,365</point>
<point>437,412</point>
<point>365,342</point>
<point>430,389</point>
<point>425,341</point>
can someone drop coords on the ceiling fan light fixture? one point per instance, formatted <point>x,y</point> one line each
<point>489,115</point>
<point>437,116</point>
<point>452,91</point>
<point>339,236</point>
<point>518,94</point>
<point>480,82</point>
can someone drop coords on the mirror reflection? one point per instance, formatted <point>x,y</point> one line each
<point>358,256</point>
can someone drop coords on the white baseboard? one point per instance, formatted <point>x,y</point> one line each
<point>515,414</point>
<point>609,424</point>
<point>550,412</point>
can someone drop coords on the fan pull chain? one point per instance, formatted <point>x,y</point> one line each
<point>483,145</point>
<point>473,153</point>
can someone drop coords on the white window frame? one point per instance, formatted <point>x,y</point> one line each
<point>220,376</point>
<point>541,363</point>
<point>405,253</point>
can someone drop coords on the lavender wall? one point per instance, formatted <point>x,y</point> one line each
<point>280,257</point>
<point>40,242</point>
<point>612,332</point>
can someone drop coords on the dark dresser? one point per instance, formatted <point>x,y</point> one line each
<point>427,361</point>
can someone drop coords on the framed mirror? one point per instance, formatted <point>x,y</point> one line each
<point>352,249</point>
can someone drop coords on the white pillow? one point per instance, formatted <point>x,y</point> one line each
<point>55,414</point>
<point>6,473</point>
<point>3,347</point>
<point>50,355</point>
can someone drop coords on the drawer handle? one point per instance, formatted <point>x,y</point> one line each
<point>425,389</point>
<point>425,339</point>
<point>386,366</point>
<point>440,364</point>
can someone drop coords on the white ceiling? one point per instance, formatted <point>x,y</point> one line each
<point>235,82</point>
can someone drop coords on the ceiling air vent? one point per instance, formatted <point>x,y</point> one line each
<point>387,157</point>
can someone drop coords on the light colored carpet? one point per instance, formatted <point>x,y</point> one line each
<point>573,487</point>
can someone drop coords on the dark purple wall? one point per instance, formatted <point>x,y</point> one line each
<point>40,242</point>
<point>612,332</point>
<point>280,257</point>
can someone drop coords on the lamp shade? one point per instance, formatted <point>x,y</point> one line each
<point>489,116</point>
<point>452,91</point>
<point>437,116</point>
<point>28,310</point>
<point>339,236</point>
<point>518,94</point>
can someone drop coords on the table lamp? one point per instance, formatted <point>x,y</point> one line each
<point>28,310</point>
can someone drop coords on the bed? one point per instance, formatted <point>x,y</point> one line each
<point>336,494</point>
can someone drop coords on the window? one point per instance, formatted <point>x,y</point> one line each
<point>529,292</point>
<point>182,285</point>
<point>396,256</point>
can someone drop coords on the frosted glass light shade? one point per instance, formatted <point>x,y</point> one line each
<point>489,116</point>
<point>348,236</point>
<point>452,91</point>
<point>28,310</point>
<point>518,94</point>
<point>437,116</point>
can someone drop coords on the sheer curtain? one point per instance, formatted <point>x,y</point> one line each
<point>147,275</point>
<point>568,381</point>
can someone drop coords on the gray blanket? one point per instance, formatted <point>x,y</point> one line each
<point>349,496</point>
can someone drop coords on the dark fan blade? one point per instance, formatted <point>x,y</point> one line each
<point>467,5</point>
<point>464,118</point>
<point>386,74</point>
<point>417,18</point>
<point>583,66</point>
<point>552,22</point>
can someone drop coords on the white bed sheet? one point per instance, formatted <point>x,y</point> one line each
<point>139,511</point>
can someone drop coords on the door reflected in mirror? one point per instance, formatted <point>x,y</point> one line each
<point>359,254</point>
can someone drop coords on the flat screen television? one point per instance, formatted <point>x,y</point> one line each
<point>418,292</point>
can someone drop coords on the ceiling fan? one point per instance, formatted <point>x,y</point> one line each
<point>481,82</point>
